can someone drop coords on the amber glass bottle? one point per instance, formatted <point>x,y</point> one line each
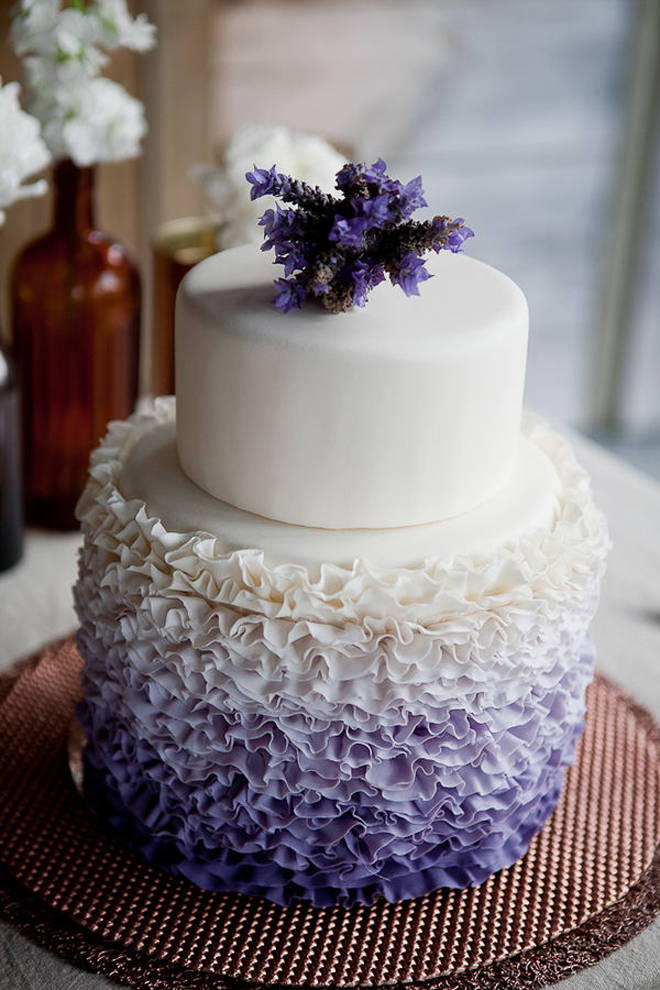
<point>76,312</point>
<point>11,508</point>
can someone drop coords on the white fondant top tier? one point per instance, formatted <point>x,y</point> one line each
<point>527,504</point>
<point>404,412</point>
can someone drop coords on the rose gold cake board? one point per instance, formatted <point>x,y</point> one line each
<point>590,881</point>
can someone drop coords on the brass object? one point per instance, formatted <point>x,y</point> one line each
<point>177,246</point>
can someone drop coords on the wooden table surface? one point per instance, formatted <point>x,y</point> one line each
<point>36,606</point>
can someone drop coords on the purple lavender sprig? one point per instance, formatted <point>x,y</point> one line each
<point>337,249</point>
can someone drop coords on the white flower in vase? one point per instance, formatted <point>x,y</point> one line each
<point>118,29</point>
<point>307,156</point>
<point>97,122</point>
<point>22,150</point>
<point>34,27</point>
<point>84,116</point>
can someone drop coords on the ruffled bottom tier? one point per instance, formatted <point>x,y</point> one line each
<point>337,732</point>
<point>333,814</point>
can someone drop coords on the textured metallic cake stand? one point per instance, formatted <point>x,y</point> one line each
<point>590,881</point>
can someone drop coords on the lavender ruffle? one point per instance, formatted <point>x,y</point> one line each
<point>290,811</point>
<point>333,733</point>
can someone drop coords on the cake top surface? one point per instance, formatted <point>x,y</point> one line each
<point>234,290</point>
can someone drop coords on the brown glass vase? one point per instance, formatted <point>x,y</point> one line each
<point>76,318</point>
<point>11,503</point>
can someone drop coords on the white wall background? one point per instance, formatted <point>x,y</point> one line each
<point>511,111</point>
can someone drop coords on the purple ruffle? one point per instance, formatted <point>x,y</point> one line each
<point>311,814</point>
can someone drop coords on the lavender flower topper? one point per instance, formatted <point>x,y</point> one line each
<point>337,248</point>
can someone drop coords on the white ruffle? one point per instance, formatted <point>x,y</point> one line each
<point>359,643</point>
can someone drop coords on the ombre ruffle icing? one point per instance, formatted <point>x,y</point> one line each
<point>340,735</point>
<point>332,815</point>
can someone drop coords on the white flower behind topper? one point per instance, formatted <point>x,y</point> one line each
<point>307,156</point>
<point>22,150</point>
<point>84,117</point>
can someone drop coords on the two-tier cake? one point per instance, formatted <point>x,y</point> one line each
<point>334,613</point>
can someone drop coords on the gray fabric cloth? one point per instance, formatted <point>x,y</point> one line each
<point>26,966</point>
<point>35,607</point>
